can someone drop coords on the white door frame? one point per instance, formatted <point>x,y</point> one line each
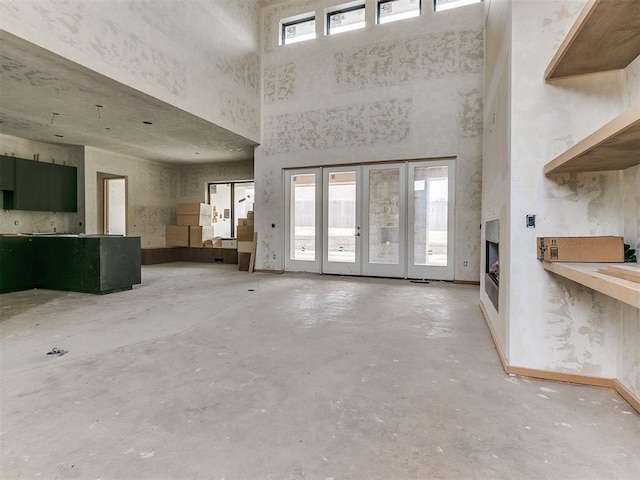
<point>290,264</point>
<point>341,268</point>
<point>425,271</point>
<point>395,270</point>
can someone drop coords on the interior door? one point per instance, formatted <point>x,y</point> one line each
<point>384,233</point>
<point>342,232</point>
<point>303,242</point>
<point>431,220</point>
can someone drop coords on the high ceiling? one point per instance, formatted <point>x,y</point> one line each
<point>35,83</point>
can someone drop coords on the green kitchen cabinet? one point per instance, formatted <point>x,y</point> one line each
<point>31,187</point>
<point>38,186</point>
<point>62,188</point>
<point>7,173</point>
<point>17,263</point>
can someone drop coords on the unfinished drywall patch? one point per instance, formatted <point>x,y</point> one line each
<point>471,113</point>
<point>433,56</point>
<point>279,83</point>
<point>19,221</point>
<point>582,329</point>
<point>384,121</point>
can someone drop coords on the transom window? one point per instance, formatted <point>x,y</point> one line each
<point>298,29</point>
<point>442,5</point>
<point>392,10</point>
<point>345,18</point>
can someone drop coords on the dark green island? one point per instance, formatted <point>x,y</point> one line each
<point>81,263</point>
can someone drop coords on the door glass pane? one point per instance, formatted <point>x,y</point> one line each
<point>341,217</point>
<point>243,198</point>
<point>431,201</point>
<point>384,216</point>
<point>303,217</point>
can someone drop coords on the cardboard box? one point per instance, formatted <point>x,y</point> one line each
<point>244,234</point>
<point>243,261</point>
<point>229,243</point>
<point>198,235</point>
<point>245,247</point>
<point>195,220</point>
<point>581,249</point>
<point>203,209</point>
<point>242,222</point>
<point>177,236</point>
<point>250,219</point>
<point>216,242</point>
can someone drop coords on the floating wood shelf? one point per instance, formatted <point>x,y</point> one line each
<point>615,146</point>
<point>587,274</point>
<point>605,36</point>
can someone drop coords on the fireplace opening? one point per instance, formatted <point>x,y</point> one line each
<point>492,261</point>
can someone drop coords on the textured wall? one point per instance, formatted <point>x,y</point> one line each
<point>201,56</point>
<point>496,181</point>
<point>193,180</point>
<point>37,222</point>
<point>556,324</point>
<point>410,89</point>
<point>151,193</point>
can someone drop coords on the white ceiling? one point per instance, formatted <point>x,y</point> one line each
<point>34,83</point>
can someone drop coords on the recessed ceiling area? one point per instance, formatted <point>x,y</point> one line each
<point>47,98</point>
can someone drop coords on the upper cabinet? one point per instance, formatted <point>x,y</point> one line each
<point>38,186</point>
<point>606,36</point>
<point>7,172</point>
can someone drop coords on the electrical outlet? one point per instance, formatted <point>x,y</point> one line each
<point>16,222</point>
<point>465,263</point>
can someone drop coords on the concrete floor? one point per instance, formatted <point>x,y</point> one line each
<point>207,372</point>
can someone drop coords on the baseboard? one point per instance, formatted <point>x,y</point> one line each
<point>467,282</point>
<point>264,270</point>
<point>612,383</point>
<point>501,355</point>
<point>627,395</point>
<point>562,377</point>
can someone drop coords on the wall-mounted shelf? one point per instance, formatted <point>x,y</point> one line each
<point>587,274</point>
<point>605,36</point>
<point>615,146</point>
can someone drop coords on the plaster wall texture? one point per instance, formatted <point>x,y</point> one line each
<point>200,56</point>
<point>193,180</point>
<point>44,222</point>
<point>496,183</point>
<point>151,194</point>
<point>556,324</point>
<point>404,90</point>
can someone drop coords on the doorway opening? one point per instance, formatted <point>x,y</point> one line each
<point>115,206</point>
<point>230,201</point>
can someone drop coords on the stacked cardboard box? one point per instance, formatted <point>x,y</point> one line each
<point>244,234</point>
<point>245,241</point>
<point>193,228</point>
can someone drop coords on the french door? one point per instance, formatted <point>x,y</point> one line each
<point>386,220</point>
<point>303,242</point>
